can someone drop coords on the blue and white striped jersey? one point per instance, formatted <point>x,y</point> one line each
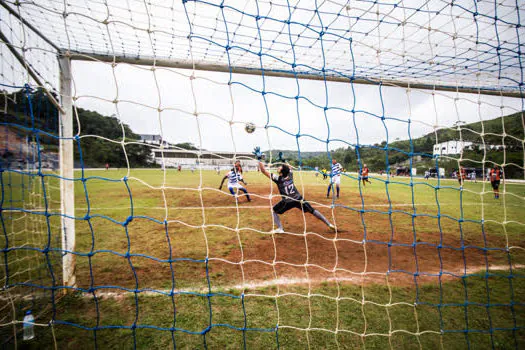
<point>336,169</point>
<point>233,177</point>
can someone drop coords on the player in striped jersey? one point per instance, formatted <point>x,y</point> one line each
<point>234,179</point>
<point>335,177</point>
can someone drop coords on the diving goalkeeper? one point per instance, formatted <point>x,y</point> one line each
<point>291,198</point>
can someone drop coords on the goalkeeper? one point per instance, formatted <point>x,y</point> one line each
<point>291,198</point>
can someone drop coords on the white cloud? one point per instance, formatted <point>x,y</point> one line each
<point>223,109</point>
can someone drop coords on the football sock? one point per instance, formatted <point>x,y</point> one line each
<point>321,217</point>
<point>247,195</point>
<point>277,220</point>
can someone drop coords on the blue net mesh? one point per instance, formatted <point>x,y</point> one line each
<point>426,251</point>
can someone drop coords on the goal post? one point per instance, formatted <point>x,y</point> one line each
<point>67,174</point>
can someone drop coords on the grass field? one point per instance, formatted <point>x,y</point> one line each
<point>166,259</point>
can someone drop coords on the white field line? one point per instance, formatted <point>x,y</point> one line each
<point>253,207</point>
<point>312,173</point>
<point>313,205</point>
<point>299,281</point>
<point>358,278</point>
<point>357,206</point>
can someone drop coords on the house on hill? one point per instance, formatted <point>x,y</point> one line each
<point>457,147</point>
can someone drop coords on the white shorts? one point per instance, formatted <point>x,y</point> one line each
<point>336,180</point>
<point>237,185</point>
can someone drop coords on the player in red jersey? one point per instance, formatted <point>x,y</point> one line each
<point>364,175</point>
<point>495,176</point>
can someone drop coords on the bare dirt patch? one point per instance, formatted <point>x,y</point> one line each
<point>368,247</point>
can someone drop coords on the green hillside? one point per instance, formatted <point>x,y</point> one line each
<point>378,156</point>
<point>492,129</point>
<point>94,151</point>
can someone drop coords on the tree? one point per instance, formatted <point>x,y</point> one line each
<point>96,151</point>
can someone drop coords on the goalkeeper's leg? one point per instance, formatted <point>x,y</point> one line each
<point>277,221</point>
<point>305,206</point>
<point>277,209</point>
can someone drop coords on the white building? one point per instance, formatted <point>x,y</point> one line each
<point>172,158</point>
<point>451,147</point>
<point>456,147</point>
<point>152,139</point>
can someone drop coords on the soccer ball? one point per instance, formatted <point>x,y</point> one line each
<point>249,127</point>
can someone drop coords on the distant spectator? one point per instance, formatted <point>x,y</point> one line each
<point>462,175</point>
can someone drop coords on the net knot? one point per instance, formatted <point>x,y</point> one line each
<point>128,220</point>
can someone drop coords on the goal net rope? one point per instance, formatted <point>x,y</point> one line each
<point>428,95</point>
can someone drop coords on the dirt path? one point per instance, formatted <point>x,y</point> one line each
<point>366,248</point>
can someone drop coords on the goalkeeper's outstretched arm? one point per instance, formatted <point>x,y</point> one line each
<point>263,170</point>
<point>257,152</point>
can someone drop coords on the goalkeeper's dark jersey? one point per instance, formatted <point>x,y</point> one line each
<point>286,187</point>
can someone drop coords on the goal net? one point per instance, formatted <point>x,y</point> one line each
<point>122,124</point>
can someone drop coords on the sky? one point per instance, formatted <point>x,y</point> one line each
<point>211,113</point>
<point>164,101</point>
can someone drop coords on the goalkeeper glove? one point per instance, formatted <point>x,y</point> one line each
<point>257,152</point>
<point>280,158</point>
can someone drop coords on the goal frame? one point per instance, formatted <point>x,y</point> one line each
<point>65,107</point>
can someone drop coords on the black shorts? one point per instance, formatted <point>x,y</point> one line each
<point>495,184</point>
<point>284,205</point>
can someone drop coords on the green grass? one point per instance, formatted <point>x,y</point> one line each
<point>375,312</point>
<point>360,325</point>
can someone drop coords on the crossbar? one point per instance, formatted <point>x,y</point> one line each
<point>79,56</point>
